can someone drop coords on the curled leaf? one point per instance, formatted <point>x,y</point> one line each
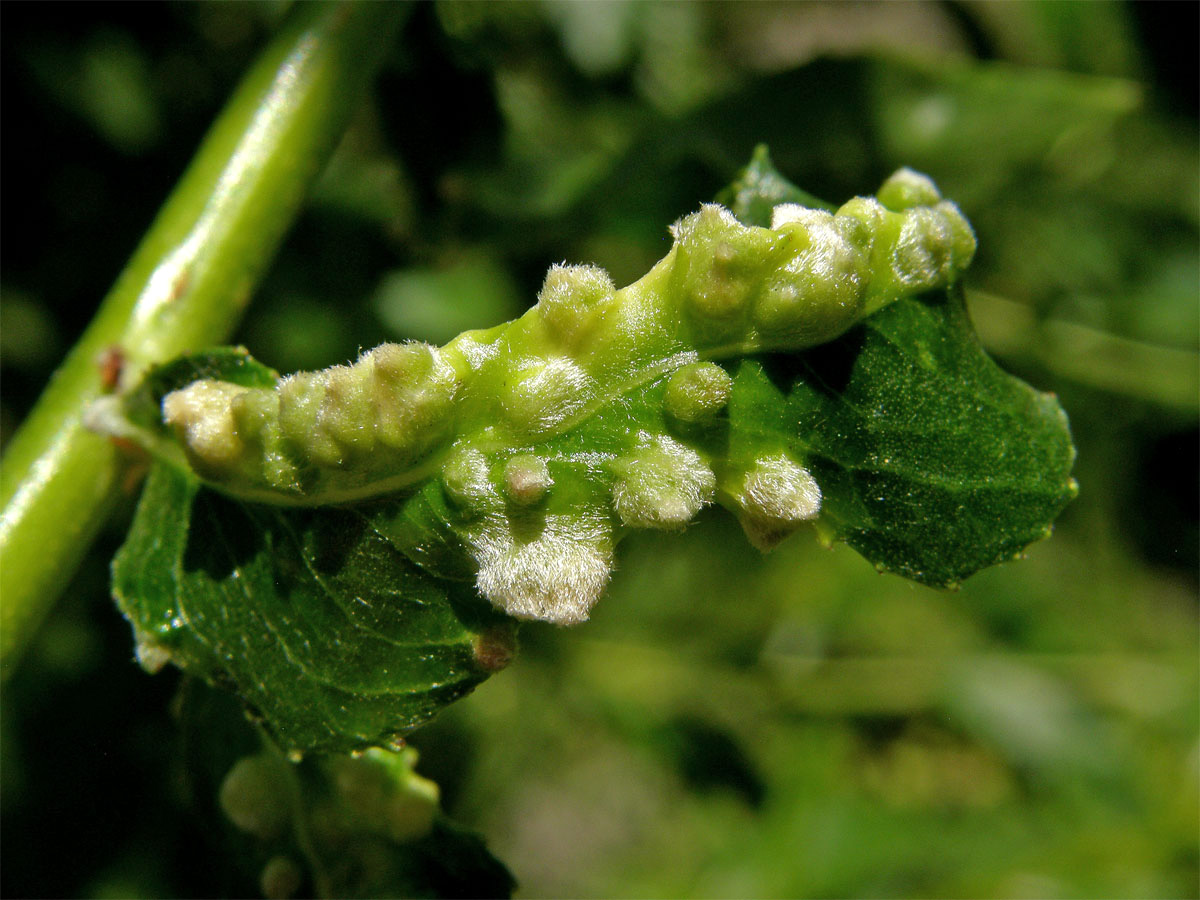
<point>326,543</point>
<point>494,414</point>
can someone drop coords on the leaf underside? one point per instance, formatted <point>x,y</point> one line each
<point>325,629</point>
<point>329,634</point>
<point>344,627</point>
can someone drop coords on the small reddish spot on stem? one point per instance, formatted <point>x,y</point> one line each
<point>111,363</point>
<point>180,285</point>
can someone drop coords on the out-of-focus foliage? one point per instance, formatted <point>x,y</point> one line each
<point>727,724</point>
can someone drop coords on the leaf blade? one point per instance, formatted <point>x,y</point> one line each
<point>933,463</point>
<point>324,628</point>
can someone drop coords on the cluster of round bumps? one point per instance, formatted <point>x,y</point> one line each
<point>814,274</point>
<point>486,407</point>
<point>318,431</point>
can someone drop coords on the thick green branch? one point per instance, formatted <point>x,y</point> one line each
<point>185,288</point>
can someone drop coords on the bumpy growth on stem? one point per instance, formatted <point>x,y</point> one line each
<point>483,411</point>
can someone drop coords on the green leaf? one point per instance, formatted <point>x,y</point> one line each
<point>325,629</point>
<point>933,462</point>
<point>759,188</point>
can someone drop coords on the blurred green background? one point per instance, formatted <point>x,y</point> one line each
<point>728,724</point>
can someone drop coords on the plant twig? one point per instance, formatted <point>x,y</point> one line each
<point>185,288</point>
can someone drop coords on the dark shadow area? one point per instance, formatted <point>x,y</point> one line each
<point>223,536</point>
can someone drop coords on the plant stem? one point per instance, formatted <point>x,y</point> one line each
<point>185,288</point>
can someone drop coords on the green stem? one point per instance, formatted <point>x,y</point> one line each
<point>185,288</point>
